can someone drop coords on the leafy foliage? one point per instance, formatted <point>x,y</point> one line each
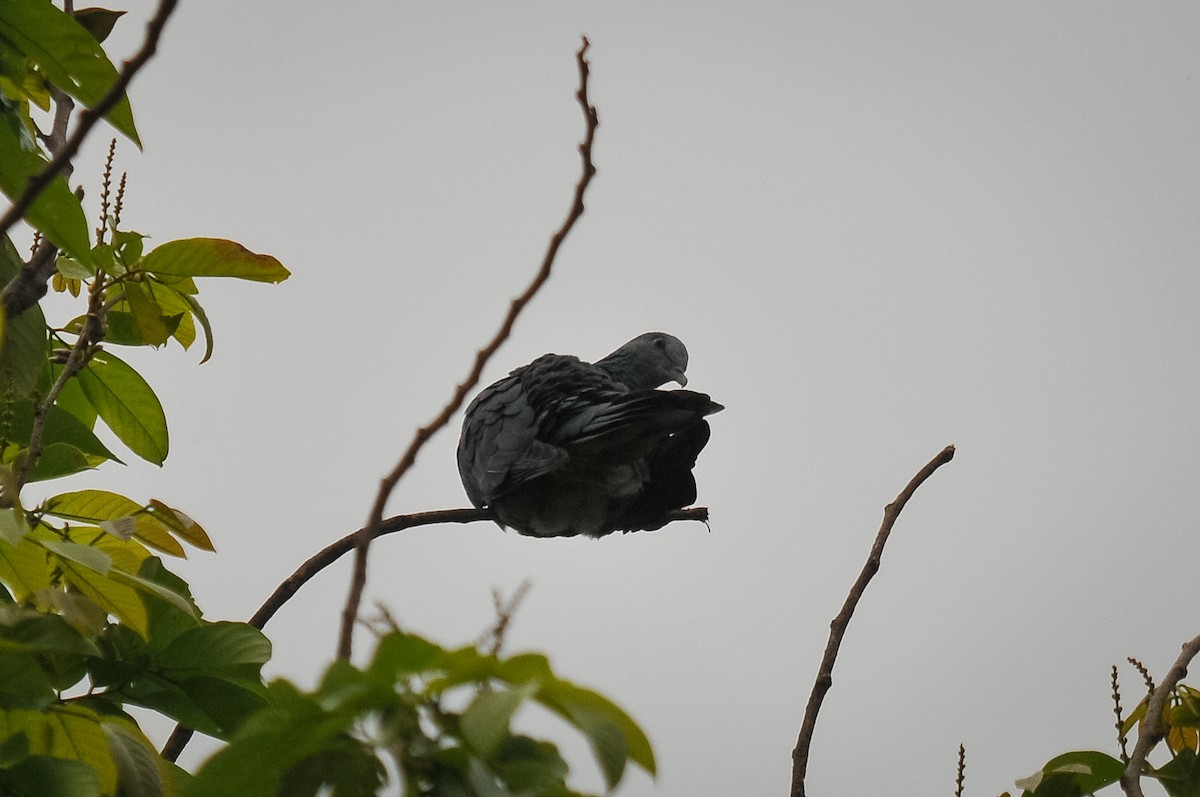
<point>1086,772</point>
<point>307,741</point>
<point>92,622</point>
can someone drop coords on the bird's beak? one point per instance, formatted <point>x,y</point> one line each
<point>679,377</point>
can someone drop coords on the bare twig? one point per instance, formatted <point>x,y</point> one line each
<point>1116,695</point>
<point>505,609</point>
<point>837,628</point>
<point>331,553</point>
<point>962,771</point>
<point>1152,731</point>
<point>1145,671</point>
<point>363,539</point>
<point>24,290</point>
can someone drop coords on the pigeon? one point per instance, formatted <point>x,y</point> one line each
<point>561,447</point>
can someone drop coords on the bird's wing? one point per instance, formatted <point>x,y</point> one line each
<point>499,447</point>
<point>602,420</point>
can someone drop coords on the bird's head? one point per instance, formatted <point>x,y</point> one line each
<point>648,361</point>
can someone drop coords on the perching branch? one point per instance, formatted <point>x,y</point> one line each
<point>1152,731</point>
<point>375,519</point>
<point>29,286</point>
<point>837,628</point>
<point>331,553</point>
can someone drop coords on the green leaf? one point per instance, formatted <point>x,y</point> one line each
<point>73,401</point>
<point>98,21</point>
<point>268,745</point>
<point>70,268</point>
<point>526,667</point>
<point>138,764</point>
<point>345,767</point>
<point>90,505</point>
<point>213,257</point>
<point>612,734</point>
<point>59,460</point>
<point>1181,775</point>
<point>56,212</point>
<point>125,518</point>
<point>127,404</point>
<point>399,654</point>
<point>485,722</point>
<point>1075,773</point>
<point>23,351</point>
<point>25,568</point>
<point>86,555</point>
<point>529,766</point>
<point>128,245</point>
<point>50,777</point>
<point>123,329</point>
<point>119,600</point>
<point>218,648</point>
<point>67,54</point>
<point>147,315</point>
<point>23,682</point>
<point>12,525</point>
<point>71,733</point>
<point>60,427</point>
<point>187,332</point>
<point>37,632</point>
<point>13,749</point>
<point>143,585</point>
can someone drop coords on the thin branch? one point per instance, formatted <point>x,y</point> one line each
<point>1145,671</point>
<point>90,333</point>
<point>493,638</point>
<point>837,628</point>
<point>24,290</point>
<point>331,553</point>
<point>1152,731</point>
<point>363,539</point>
<point>962,771</point>
<point>1120,723</point>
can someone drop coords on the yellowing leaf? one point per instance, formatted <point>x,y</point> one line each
<point>119,600</point>
<point>183,526</point>
<point>67,732</point>
<point>12,525</point>
<point>90,505</point>
<point>25,568</point>
<point>213,257</point>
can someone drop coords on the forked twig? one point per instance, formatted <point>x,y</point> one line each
<point>370,531</point>
<point>837,628</point>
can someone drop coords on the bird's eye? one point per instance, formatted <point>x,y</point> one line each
<point>660,343</point>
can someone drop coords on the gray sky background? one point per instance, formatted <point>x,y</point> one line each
<point>880,228</point>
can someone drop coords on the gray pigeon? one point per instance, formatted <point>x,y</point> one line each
<point>562,447</point>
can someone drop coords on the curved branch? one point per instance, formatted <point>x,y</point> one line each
<point>25,289</point>
<point>837,628</point>
<point>375,519</point>
<point>1152,730</point>
<point>331,553</point>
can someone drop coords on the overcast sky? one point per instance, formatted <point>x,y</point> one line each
<point>879,228</point>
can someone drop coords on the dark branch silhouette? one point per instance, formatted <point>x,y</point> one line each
<point>837,628</point>
<point>29,285</point>
<point>375,519</point>
<point>1152,730</point>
